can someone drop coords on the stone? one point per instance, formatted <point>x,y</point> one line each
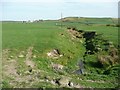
<point>54,54</point>
<point>34,56</point>
<point>21,56</point>
<point>77,86</point>
<point>64,81</point>
<point>71,84</point>
<point>52,82</point>
<point>81,64</point>
<point>57,66</point>
<point>61,55</point>
<point>47,78</point>
<point>79,71</point>
<point>11,56</point>
<point>27,73</point>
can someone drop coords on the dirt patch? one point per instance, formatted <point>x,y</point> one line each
<point>29,53</point>
<point>5,54</point>
<point>30,63</point>
<point>8,66</point>
<point>28,60</point>
<point>12,71</point>
<point>11,68</point>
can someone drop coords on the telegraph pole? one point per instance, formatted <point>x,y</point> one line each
<point>61,19</point>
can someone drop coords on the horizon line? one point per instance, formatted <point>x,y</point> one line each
<point>60,18</point>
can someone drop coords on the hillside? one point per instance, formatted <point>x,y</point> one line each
<point>91,20</point>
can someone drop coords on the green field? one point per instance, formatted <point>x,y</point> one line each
<point>26,63</point>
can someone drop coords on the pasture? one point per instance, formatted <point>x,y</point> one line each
<point>26,63</point>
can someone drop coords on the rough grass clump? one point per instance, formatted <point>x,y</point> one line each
<point>113,25</point>
<point>72,28</point>
<point>117,25</point>
<point>109,59</point>
<point>105,60</point>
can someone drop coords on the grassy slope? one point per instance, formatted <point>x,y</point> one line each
<point>45,36</point>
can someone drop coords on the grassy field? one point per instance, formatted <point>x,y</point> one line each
<point>26,63</point>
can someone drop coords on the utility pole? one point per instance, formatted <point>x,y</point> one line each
<point>61,19</point>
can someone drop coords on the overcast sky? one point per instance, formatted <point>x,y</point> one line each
<point>51,9</point>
